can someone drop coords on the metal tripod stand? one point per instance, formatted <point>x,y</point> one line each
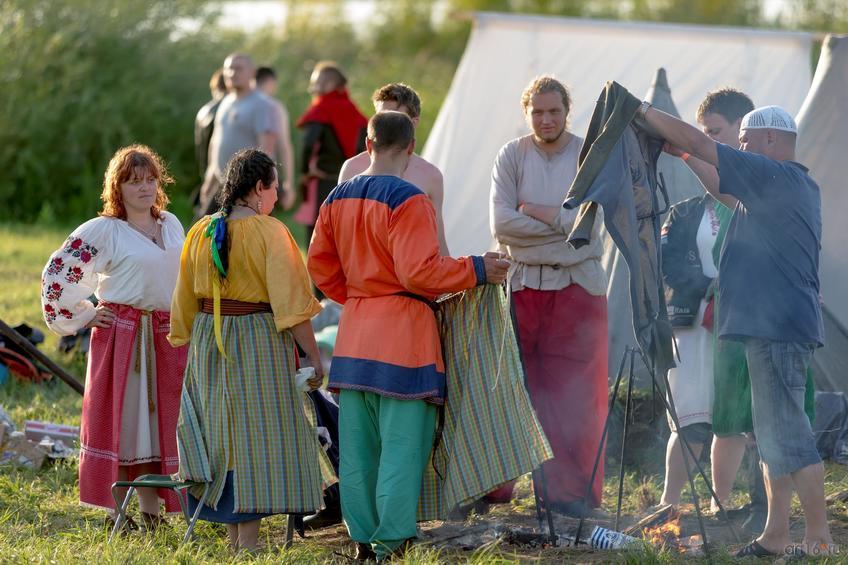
<point>629,358</point>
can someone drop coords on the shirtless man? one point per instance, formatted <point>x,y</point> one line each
<point>421,173</point>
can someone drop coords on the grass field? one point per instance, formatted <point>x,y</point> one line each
<point>42,522</point>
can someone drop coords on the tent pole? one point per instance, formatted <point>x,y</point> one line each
<point>627,405</point>
<point>601,444</point>
<point>55,369</point>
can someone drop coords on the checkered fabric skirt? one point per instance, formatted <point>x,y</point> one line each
<point>249,404</point>
<point>491,434</point>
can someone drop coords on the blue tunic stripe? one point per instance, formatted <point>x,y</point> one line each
<point>396,381</point>
<point>374,188</point>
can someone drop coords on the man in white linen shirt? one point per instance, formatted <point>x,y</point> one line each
<point>558,293</point>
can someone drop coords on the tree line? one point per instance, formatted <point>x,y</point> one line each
<point>80,78</point>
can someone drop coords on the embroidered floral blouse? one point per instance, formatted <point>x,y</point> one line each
<point>107,258</point>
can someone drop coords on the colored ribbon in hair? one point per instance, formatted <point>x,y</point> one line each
<point>217,232</point>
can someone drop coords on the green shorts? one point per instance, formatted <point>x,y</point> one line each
<point>732,400</point>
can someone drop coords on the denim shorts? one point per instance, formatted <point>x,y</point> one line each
<point>778,372</point>
<point>697,433</point>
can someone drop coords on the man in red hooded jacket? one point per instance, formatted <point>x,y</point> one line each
<point>333,131</point>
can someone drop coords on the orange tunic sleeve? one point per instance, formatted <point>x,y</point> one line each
<point>414,246</point>
<point>323,260</point>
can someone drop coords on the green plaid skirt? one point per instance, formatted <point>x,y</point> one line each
<point>249,404</point>
<point>491,434</point>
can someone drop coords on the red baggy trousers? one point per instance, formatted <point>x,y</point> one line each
<point>563,335</point>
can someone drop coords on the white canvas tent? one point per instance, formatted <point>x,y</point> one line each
<point>482,109</point>
<point>823,147</point>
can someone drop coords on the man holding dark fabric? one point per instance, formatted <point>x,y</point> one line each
<point>769,287</point>
<point>333,131</point>
<point>558,292</point>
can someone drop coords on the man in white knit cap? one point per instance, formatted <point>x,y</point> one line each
<point>769,289</point>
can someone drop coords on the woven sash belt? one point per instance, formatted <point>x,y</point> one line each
<point>234,307</point>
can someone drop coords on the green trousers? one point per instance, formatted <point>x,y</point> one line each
<point>384,446</point>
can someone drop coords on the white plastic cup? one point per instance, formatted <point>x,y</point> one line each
<point>604,538</point>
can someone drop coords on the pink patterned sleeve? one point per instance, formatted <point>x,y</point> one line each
<point>71,275</point>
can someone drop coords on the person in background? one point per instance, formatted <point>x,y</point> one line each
<point>326,405</point>
<point>242,302</point>
<point>266,82</point>
<point>376,251</point>
<point>426,176</point>
<point>204,122</point>
<point>333,130</point>
<point>720,115</point>
<point>128,258</point>
<point>245,119</point>
<point>688,237</point>
<point>559,294</point>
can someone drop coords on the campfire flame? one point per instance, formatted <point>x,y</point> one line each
<point>664,535</point>
<point>664,531</point>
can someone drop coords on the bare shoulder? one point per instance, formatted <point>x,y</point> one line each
<point>354,166</point>
<point>425,176</point>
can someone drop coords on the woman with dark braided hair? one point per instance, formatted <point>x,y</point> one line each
<point>242,301</point>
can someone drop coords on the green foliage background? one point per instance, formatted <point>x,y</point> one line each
<point>80,78</point>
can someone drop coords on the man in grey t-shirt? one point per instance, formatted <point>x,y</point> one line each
<point>769,291</point>
<point>245,119</point>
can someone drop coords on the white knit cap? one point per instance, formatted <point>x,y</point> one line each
<point>769,117</point>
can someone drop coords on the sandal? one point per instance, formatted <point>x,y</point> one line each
<point>128,526</point>
<point>151,522</point>
<point>364,553</point>
<point>754,549</point>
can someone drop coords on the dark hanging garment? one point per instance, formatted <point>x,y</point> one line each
<point>617,169</point>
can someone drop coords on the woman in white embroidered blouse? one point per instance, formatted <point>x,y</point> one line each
<point>128,258</point>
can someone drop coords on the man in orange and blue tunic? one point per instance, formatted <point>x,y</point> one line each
<point>375,249</point>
